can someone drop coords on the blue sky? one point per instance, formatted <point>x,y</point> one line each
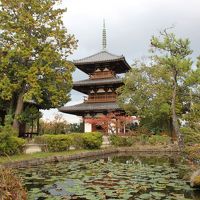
<point>130,25</point>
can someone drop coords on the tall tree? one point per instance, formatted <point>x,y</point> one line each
<point>34,46</point>
<point>162,85</point>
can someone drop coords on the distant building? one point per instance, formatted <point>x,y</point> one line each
<point>102,68</point>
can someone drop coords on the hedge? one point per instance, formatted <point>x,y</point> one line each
<point>140,139</point>
<point>120,141</point>
<point>63,142</point>
<point>10,145</point>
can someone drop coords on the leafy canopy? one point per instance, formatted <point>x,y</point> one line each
<point>34,46</point>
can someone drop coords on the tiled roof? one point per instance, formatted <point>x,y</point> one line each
<point>116,63</point>
<point>82,86</point>
<point>99,57</point>
<point>79,109</point>
<point>97,81</point>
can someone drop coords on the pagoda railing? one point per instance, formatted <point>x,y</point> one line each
<point>101,98</point>
<point>102,74</point>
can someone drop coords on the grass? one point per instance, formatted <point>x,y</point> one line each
<point>21,157</point>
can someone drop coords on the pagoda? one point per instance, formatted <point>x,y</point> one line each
<point>103,69</point>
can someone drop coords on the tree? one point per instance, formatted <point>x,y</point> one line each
<point>160,88</point>
<point>111,123</point>
<point>34,46</point>
<point>141,96</point>
<point>56,126</point>
<point>193,116</point>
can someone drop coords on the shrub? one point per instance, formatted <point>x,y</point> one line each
<point>143,138</point>
<point>55,143</point>
<point>120,141</point>
<point>92,140</point>
<point>77,140</point>
<point>191,136</point>
<point>10,145</point>
<point>159,139</point>
<point>10,186</point>
<point>193,152</point>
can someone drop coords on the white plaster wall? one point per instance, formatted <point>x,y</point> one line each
<point>87,127</point>
<point>113,127</point>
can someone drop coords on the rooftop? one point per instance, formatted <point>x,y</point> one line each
<point>99,57</point>
<point>80,109</point>
<point>83,85</point>
<point>89,63</point>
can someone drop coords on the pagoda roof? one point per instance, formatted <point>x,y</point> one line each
<point>83,85</point>
<point>89,63</point>
<point>83,108</point>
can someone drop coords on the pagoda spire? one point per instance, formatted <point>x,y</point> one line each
<point>104,43</point>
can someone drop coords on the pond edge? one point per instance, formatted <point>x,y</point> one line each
<point>76,156</point>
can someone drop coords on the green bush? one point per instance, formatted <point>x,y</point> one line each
<point>92,140</point>
<point>56,143</point>
<point>140,139</point>
<point>159,139</point>
<point>121,141</point>
<point>77,140</point>
<point>11,186</point>
<point>191,136</point>
<point>143,138</point>
<point>10,145</point>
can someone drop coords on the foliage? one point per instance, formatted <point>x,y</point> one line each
<point>9,143</point>
<point>76,127</point>
<point>56,126</point>
<point>92,140</point>
<point>142,139</point>
<point>191,136</point>
<point>11,186</point>
<point>193,152</point>
<point>110,123</point>
<point>123,141</point>
<point>63,142</point>
<point>139,139</point>
<point>159,90</point>
<point>30,114</point>
<point>34,46</point>
<point>59,126</point>
<point>159,139</point>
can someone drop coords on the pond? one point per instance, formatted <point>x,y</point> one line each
<point>131,177</point>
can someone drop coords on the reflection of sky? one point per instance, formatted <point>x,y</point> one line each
<point>130,25</point>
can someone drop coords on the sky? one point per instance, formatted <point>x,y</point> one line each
<point>130,24</point>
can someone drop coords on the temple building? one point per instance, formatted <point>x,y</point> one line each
<point>103,69</point>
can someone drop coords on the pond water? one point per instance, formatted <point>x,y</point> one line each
<point>114,177</point>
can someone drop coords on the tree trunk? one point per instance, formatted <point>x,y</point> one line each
<point>18,111</point>
<point>174,116</point>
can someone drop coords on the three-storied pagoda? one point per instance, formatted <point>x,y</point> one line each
<point>100,88</point>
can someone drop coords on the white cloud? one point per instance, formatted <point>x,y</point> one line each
<point>130,25</point>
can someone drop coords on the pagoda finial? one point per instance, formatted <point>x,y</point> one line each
<point>104,43</point>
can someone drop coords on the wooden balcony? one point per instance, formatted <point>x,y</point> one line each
<point>101,98</point>
<point>102,74</point>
